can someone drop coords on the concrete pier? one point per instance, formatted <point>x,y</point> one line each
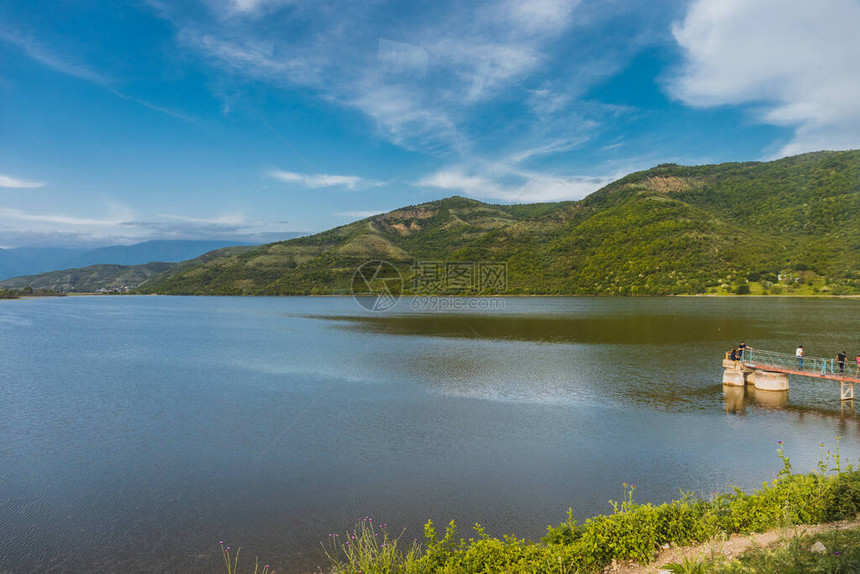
<point>733,378</point>
<point>737,374</point>
<point>768,371</point>
<point>771,381</point>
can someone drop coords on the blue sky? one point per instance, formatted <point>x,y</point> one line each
<point>125,121</point>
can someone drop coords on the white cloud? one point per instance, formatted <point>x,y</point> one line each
<point>247,5</point>
<point>244,8</point>
<point>8,181</point>
<point>317,180</point>
<point>232,219</point>
<point>540,15</point>
<point>120,225</point>
<point>360,214</point>
<point>401,58</point>
<point>497,181</point>
<point>116,218</point>
<point>419,76</point>
<point>553,147</point>
<point>796,61</point>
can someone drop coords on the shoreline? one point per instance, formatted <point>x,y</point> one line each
<point>452,296</point>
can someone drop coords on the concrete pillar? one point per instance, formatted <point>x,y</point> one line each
<point>770,381</point>
<point>733,378</point>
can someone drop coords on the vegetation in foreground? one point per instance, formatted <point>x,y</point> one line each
<point>633,531</point>
<point>835,552</point>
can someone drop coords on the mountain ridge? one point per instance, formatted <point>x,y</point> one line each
<point>786,226</point>
<point>21,261</point>
<point>105,278</point>
<point>720,228</point>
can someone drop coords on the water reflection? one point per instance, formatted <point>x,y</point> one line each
<point>617,329</point>
<point>768,399</point>
<point>734,399</point>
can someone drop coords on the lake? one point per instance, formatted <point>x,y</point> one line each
<point>137,432</point>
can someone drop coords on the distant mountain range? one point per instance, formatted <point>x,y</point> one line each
<point>92,279</point>
<point>790,226</point>
<point>34,260</point>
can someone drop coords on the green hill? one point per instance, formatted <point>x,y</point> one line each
<point>105,278</point>
<point>787,226</point>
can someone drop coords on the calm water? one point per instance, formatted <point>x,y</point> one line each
<point>137,432</point>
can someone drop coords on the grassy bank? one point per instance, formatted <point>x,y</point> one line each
<point>835,551</point>
<point>631,532</point>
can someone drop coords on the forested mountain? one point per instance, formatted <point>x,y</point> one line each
<point>34,260</point>
<point>786,226</point>
<point>105,278</point>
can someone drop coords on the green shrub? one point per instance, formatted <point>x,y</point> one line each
<point>632,531</point>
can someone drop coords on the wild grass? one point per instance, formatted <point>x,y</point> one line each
<point>363,550</point>
<point>231,561</point>
<point>838,553</point>
<point>632,531</point>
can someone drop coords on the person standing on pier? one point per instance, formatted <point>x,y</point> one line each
<point>840,358</point>
<point>799,354</point>
<point>741,350</point>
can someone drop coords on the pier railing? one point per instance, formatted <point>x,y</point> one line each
<point>819,366</point>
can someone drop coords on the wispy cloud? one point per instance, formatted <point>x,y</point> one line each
<point>231,219</point>
<point>67,65</point>
<point>553,147</point>
<point>418,75</point>
<point>17,214</point>
<point>50,57</point>
<point>155,107</point>
<point>14,182</point>
<point>500,182</point>
<point>358,214</point>
<point>121,225</point>
<point>317,180</point>
<point>795,62</point>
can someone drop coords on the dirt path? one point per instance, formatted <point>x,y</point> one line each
<point>730,548</point>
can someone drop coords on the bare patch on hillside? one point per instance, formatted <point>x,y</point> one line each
<point>667,184</point>
<point>404,221</point>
